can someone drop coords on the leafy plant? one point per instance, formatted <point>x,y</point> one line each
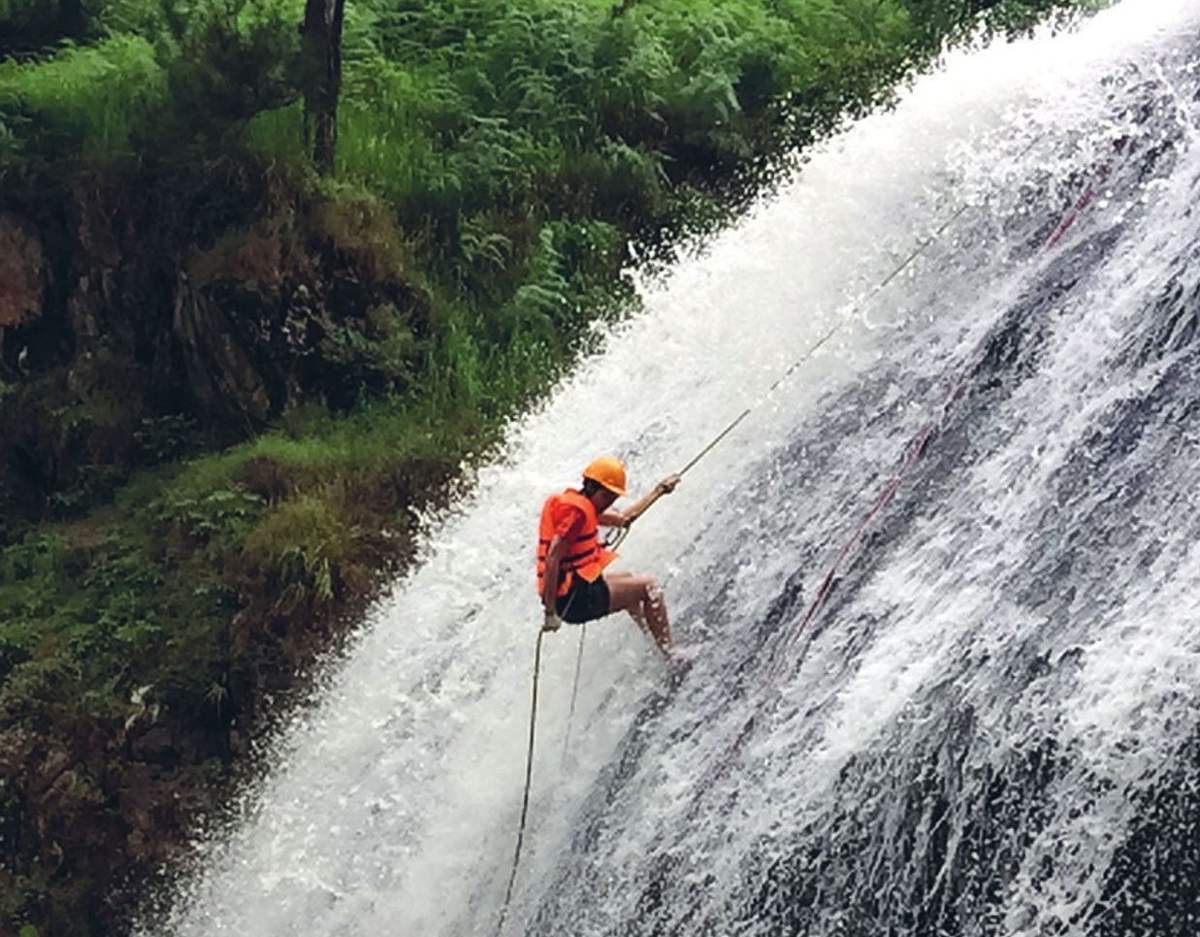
<point>221,514</point>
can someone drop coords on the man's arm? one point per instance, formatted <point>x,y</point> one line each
<point>554,555</point>
<point>629,515</point>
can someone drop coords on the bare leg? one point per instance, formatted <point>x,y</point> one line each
<point>635,611</point>
<point>641,597</point>
<point>655,611</point>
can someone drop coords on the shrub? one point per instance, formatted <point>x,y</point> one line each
<point>306,548</point>
<point>231,60</point>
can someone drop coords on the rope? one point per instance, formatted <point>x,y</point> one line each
<point>837,327</point>
<point>537,666</point>
<point>1085,199</point>
<point>913,452</point>
<point>574,693</point>
<point>917,445</point>
<point>862,304</point>
<point>613,545</point>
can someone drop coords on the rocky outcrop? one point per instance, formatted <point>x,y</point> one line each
<point>221,376</point>
<point>204,302</point>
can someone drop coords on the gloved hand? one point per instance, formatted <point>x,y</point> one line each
<point>551,622</point>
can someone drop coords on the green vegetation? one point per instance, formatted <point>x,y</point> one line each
<point>225,382</point>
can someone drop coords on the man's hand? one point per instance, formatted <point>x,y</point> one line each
<point>551,622</point>
<point>669,484</point>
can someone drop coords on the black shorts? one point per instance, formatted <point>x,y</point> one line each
<point>584,601</point>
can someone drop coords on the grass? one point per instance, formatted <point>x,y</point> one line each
<point>93,98</point>
<point>298,505</point>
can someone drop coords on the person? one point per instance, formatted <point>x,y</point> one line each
<point>571,562</point>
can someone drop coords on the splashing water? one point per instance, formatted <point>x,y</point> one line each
<point>990,725</point>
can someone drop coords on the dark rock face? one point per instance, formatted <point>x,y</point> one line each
<point>79,814</point>
<point>221,376</point>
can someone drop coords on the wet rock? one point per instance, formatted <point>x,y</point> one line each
<point>85,308</point>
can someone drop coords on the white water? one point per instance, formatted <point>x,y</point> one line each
<point>395,801</point>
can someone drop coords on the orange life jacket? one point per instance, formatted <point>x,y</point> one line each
<point>584,556</point>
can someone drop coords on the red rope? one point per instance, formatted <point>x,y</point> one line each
<point>1084,200</point>
<point>916,446</point>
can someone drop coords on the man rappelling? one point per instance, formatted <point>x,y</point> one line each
<point>571,561</point>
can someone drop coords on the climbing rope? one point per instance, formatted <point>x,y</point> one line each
<point>574,694</point>
<point>833,330</point>
<point>613,545</point>
<point>537,667</point>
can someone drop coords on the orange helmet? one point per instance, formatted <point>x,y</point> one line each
<point>608,471</point>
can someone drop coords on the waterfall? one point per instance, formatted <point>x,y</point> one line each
<point>988,726</point>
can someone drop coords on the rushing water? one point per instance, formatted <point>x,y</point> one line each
<point>991,724</point>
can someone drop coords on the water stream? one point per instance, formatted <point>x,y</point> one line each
<point>990,726</point>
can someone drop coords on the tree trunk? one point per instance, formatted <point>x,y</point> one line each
<point>322,71</point>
